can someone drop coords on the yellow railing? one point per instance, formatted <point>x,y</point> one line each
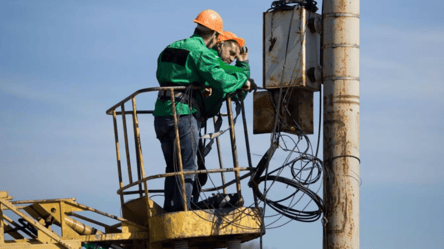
<point>119,109</point>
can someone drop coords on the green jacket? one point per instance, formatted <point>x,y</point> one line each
<point>188,61</point>
<point>214,102</point>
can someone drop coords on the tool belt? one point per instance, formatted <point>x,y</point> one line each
<point>179,95</point>
<point>185,96</point>
<point>166,94</point>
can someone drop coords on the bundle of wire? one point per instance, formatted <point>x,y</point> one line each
<point>308,161</point>
<point>311,165</point>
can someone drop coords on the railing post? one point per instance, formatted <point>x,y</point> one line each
<point>247,143</point>
<point>234,149</point>
<point>219,153</point>
<point>141,168</point>
<point>125,135</point>
<point>179,154</point>
<point>119,169</point>
<point>137,143</point>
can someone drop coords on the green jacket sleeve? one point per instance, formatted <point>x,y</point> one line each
<point>208,66</point>
<point>245,66</point>
<point>241,66</point>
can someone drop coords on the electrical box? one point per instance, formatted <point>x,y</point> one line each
<point>291,38</point>
<point>296,111</point>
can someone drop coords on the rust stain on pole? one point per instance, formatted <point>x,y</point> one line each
<point>341,123</point>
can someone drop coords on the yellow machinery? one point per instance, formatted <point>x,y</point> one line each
<point>144,223</point>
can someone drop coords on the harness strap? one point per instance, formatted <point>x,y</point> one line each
<point>217,131</point>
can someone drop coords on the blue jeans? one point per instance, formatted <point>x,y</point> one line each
<point>189,128</point>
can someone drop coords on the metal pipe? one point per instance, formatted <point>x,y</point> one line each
<point>247,141</point>
<point>137,141</point>
<point>125,136</point>
<point>138,112</point>
<point>119,168</point>
<point>179,152</point>
<point>140,168</point>
<point>234,149</point>
<point>43,201</point>
<point>88,219</point>
<point>341,123</point>
<point>144,90</point>
<point>81,228</point>
<point>84,207</point>
<point>219,153</point>
<point>247,144</point>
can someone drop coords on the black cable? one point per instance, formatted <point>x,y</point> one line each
<point>294,214</point>
<point>289,5</point>
<point>341,156</point>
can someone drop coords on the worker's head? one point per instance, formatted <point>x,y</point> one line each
<point>227,50</point>
<point>228,46</point>
<point>209,36</point>
<point>230,36</point>
<point>209,26</point>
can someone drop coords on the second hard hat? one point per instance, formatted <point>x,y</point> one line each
<point>210,19</point>
<point>227,35</point>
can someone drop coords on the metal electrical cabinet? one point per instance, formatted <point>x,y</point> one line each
<point>297,111</point>
<point>292,38</point>
<point>291,60</point>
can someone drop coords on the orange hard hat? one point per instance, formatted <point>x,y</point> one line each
<point>210,19</point>
<point>227,35</point>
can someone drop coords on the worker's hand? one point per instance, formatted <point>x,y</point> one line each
<point>207,92</point>
<point>250,85</point>
<point>243,54</point>
<point>253,86</point>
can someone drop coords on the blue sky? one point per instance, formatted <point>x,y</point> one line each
<point>63,63</point>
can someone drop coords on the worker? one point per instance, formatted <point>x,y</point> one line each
<point>228,48</point>
<point>184,63</point>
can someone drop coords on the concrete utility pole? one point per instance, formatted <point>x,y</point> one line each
<point>341,123</point>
